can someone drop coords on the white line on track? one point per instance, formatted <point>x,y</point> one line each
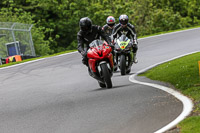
<point>187,103</point>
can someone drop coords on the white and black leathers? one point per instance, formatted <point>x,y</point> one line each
<point>129,31</point>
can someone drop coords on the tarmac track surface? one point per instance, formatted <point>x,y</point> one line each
<point>56,95</point>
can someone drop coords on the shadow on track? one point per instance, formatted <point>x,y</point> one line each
<point>117,74</point>
<point>114,87</point>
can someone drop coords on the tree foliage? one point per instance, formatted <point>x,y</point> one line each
<point>56,21</point>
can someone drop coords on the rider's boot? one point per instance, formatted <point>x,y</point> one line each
<point>89,71</point>
<point>135,48</point>
<point>135,58</point>
<point>114,61</point>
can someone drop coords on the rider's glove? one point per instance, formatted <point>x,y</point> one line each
<point>135,42</point>
<point>112,46</point>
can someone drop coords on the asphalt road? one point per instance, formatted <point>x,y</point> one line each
<point>56,95</point>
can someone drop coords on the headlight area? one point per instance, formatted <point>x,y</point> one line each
<point>117,49</point>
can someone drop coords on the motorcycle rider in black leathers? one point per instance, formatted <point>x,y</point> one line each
<point>127,29</point>
<point>86,35</point>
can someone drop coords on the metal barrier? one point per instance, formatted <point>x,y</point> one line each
<point>16,39</point>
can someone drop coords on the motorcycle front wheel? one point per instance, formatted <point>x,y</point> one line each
<point>106,75</point>
<point>123,64</point>
<point>101,85</point>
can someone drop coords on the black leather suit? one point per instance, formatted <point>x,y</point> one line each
<point>108,30</point>
<point>84,39</point>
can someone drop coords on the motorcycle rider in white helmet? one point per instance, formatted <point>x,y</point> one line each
<point>108,27</point>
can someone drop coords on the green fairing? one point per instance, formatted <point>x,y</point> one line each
<point>123,43</point>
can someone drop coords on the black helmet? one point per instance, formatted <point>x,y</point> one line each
<point>85,24</point>
<point>123,19</point>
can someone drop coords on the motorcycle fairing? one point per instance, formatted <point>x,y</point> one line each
<point>93,62</point>
<point>123,44</point>
<point>99,53</point>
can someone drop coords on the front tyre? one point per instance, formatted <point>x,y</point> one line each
<point>106,75</point>
<point>101,85</point>
<point>123,64</point>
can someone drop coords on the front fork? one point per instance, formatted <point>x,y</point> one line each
<point>129,58</point>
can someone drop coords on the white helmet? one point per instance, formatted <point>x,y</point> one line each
<point>110,21</point>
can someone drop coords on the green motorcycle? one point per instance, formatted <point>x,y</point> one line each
<point>124,54</point>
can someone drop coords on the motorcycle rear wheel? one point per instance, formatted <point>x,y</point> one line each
<point>106,75</point>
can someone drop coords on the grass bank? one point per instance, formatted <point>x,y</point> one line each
<point>183,74</point>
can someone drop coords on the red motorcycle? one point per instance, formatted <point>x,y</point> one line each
<point>100,61</point>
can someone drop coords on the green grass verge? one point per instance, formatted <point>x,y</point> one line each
<point>190,125</point>
<point>13,63</point>
<point>183,74</point>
